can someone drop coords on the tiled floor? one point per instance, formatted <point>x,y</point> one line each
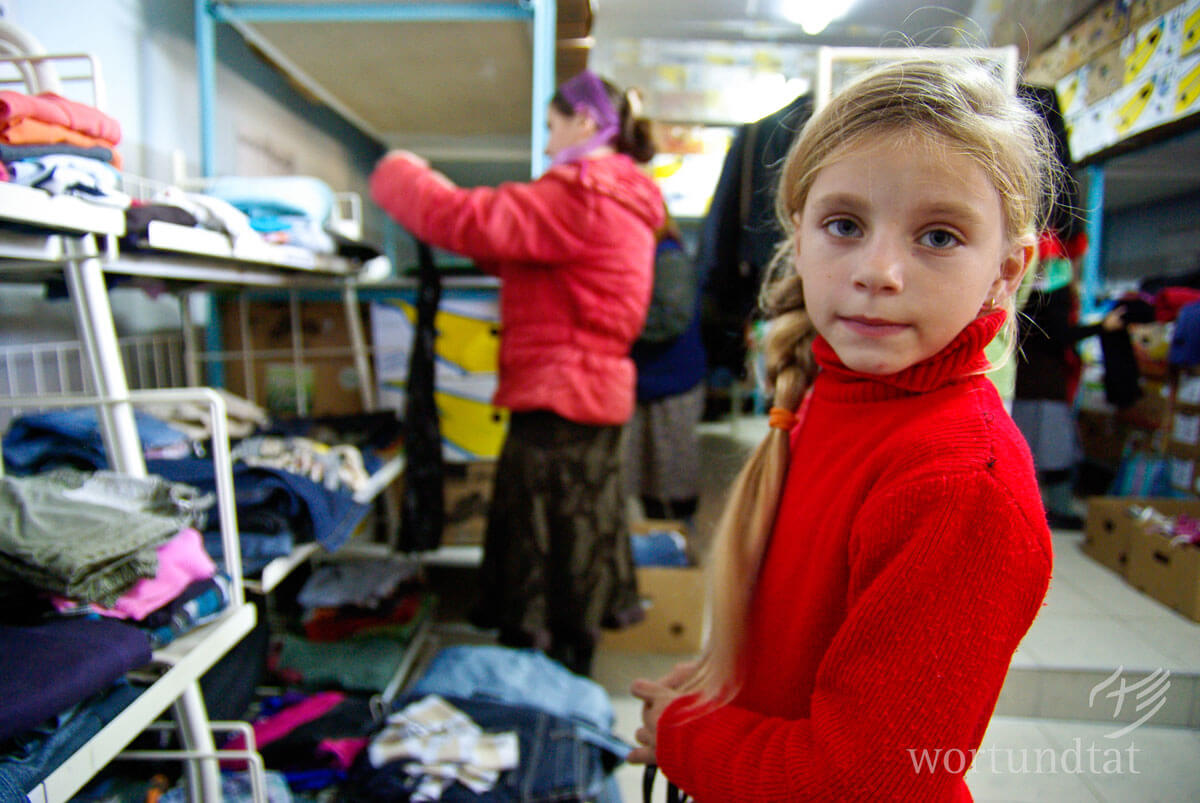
<point>1052,738</point>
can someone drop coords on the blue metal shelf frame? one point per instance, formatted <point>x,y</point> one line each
<point>541,13</point>
<point>1091,278</point>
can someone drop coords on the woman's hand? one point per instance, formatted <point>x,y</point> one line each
<point>655,695</point>
<point>403,154</point>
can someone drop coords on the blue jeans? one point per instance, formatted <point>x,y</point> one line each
<point>328,517</point>
<point>49,437</point>
<point>41,750</point>
<point>518,677</point>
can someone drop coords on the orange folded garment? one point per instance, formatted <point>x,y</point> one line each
<point>36,132</point>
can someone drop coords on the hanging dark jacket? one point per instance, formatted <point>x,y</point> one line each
<point>740,232</point>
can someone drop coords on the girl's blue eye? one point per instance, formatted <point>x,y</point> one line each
<point>939,238</point>
<point>842,227</point>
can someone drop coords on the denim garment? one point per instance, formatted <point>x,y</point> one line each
<point>525,678</point>
<point>517,677</point>
<point>37,752</point>
<point>258,549</point>
<point>39,440</point>
<point>72,437</point>
<point>315,513</point>
<point>556,763</point>
<point>659,548</point>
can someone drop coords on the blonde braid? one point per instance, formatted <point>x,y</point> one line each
<point>749,516</point>
<point>788,347</point>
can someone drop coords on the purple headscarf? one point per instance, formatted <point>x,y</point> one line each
<point>587,95</point>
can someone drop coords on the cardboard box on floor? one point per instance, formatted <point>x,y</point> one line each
<point>1107,530</point>
<point>1168,572</point>
<point>1148,560</point>
<point>468,493</point>
<point>677,611</point>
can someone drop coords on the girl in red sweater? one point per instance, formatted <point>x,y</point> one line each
<point>885,550</point>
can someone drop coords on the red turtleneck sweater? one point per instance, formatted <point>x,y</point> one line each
<point>909,557</point>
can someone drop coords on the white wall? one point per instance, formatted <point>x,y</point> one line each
<point>146,50</point>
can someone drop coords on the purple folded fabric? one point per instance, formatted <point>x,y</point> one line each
<point>45,669</point>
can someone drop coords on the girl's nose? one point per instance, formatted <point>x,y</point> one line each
<point>882,267</point>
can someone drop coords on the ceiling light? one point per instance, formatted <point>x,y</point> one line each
<point>813,16</point>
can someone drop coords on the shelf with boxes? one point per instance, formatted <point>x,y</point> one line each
<point>1154,541</point>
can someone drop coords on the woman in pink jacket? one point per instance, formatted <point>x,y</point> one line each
<point>574,250</point>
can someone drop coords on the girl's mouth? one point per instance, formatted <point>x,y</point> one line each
<point>872,327</point>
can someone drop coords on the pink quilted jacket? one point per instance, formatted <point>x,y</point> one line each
<point>574,250</point>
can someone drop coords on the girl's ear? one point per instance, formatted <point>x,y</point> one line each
<point>1012,269</point>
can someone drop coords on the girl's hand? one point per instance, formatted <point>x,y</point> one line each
<point>678,675</point>
<point>655,695</point>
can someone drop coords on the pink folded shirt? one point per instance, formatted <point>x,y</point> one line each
<point>181,562</point>
<point>51,108</point>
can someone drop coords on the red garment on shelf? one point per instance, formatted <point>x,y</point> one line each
<point>57,110</point>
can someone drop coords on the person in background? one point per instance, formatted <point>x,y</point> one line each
<point>1049,370</point>
<point>884,550</point>
<point>574,250</point>
<point>662,447</point>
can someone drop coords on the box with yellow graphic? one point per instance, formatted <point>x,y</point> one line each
<point>466,350</point>
<point>1153,46</point>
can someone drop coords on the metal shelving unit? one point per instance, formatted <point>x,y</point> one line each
<point>41,235</point>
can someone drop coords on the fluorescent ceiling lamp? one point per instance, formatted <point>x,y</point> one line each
<point>814,15</point>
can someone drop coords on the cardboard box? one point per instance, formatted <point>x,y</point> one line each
<point>329,383</point>
<point>1148,561</point>
<point>1105,75</point>
<point>1102,437</point>
<point>1169,573</point>
<point>675,614</point>
<point>1107,530</point>
<point>1143,11</point>
<point>1102,27</point>
<point>676,607</point>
